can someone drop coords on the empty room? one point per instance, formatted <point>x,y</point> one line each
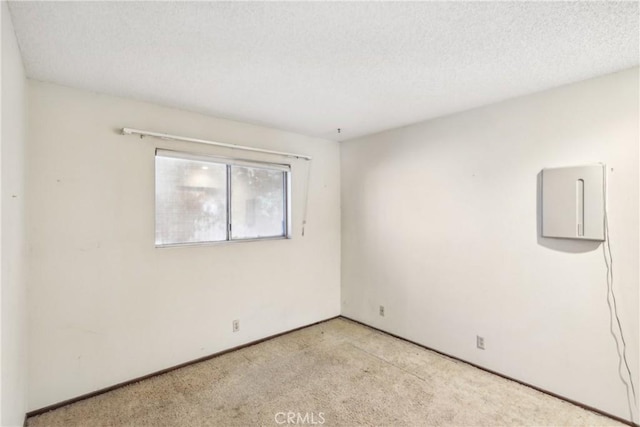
<point>320,213</point>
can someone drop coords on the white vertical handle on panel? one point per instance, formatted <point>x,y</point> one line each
<point>580,207</point>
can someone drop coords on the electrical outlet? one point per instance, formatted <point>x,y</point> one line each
<point>480,342</point>
<point>236,325</point>
<point>382,310</point>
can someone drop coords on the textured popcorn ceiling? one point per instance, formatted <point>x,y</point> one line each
<point>314,67</point>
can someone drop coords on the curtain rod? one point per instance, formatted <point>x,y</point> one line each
<point>128,131</point>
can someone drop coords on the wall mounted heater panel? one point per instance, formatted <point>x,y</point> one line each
<point>573,202</point>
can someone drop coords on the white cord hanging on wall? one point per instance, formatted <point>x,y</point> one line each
<point>574,206</point>
<point>613,308</point>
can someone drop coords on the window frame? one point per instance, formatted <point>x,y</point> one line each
<point>229,162</point>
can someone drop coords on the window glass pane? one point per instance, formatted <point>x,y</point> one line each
<point>191,201</point>
<point>257,202</point>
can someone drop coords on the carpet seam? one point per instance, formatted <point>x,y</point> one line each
<point>389,363</point>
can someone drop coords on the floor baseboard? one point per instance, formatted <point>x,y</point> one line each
<point>162,371</point>
<point>582,405</point>
<point>211,356</point>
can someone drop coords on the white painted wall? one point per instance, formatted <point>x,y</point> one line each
<point>439,225</point>
<point>107,306</point>
<point>13,305</point>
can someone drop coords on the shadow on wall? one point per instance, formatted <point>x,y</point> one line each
<point>560,245</point>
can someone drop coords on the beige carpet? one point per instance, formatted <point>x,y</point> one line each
<point>334,373</point>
